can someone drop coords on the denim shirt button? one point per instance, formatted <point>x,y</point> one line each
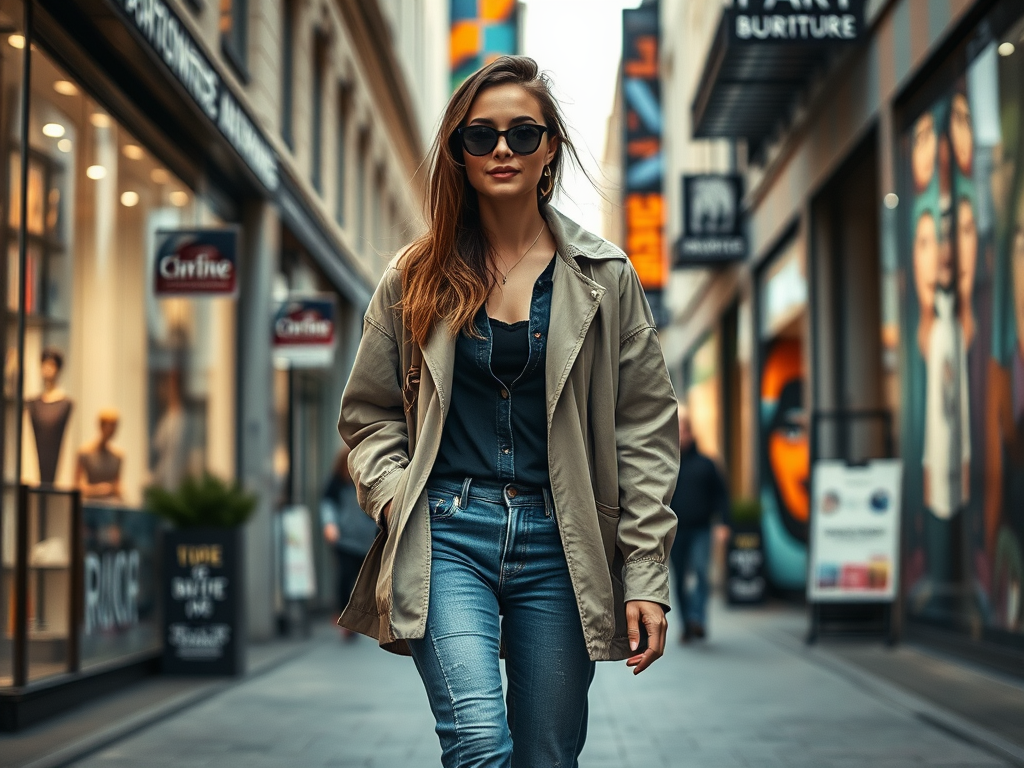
<point>536,335</point>
<point>504,394</point>
<point>504,450</point>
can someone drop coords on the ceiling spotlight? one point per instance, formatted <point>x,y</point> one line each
<point>53,130</point>
<point>64,145</point>
<point>179,198</point>
<point>130,198</point>
<point>159,176</point>
<point>16,41</point>
<point>1006,49</point>
<point>891,201</point>
<point>95,172</point>
<point>133,151</point>
<point>65,88</point>
<point>99,120</point>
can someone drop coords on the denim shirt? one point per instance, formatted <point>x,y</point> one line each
<point>493,431</point>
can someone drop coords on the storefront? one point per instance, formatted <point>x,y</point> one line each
<point>960,276</point>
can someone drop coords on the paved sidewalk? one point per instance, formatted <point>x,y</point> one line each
<point>748,697</point>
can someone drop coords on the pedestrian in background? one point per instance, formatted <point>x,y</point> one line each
<point>346,528</point>
<point>523,472</point>
<point>700,494</point>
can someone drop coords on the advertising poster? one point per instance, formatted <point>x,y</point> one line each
<point>481,30</point>
<point>855,531</point>
<point>644,162</point>
<point>196,262</point>
<point>304,331</point>
<point>960,274</point>
<point>785,462</point>
<point>297,559</point>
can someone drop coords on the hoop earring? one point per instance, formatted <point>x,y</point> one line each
<point>550,180</point>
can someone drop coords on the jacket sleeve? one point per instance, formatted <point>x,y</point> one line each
<point>647,444</point>
<point>372,419</point>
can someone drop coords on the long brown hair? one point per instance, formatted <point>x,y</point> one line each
<point>445,273</point>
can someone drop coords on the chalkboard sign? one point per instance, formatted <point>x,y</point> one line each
<point>745,567</point>
<point>202,601</point>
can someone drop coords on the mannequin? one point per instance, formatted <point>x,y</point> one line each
<point>49,414</point>
<point>98,468</point>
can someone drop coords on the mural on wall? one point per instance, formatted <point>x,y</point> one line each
<point>785,475</point>
<point>962,257</point>
<point>481,30</point>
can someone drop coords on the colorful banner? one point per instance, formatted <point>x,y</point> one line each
<point>644,162</point>
<point>481,31</point>
<point>196,262</point>
<point>304,331</point>
<point>855,531</point>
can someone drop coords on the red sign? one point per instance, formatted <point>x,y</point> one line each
<point>195,263</point>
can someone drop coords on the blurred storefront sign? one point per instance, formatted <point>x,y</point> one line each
<point>304,331</point>
<point>855,531</point>
<point>203,593</point>
<point>196,262</point>
<point>168,36</point>
<point>744,560</point>
<point>796,21</point>
<point>644,161</point>
<point>712,221</point>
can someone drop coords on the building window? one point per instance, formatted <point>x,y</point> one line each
<point>287,73</point>
<point>364,144</point>
<point>233,33</point>
<point>341,155</point>
<point>317,129</point>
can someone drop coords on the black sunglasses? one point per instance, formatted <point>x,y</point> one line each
<point>481,140</point>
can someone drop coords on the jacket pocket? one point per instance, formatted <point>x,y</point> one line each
<point>608,519</point>
<point>442,507</point>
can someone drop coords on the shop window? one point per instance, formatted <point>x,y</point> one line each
<point>961,291</point>
<point>123,388</point>
<point>234,24</point>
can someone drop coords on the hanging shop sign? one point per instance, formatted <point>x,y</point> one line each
<point>196,262</point>
<point>202,601</point>
<point>712,221</point>
<point>170,39</point>
<point>644,161</point>
<point>745,563</point>
<point>304,330</point>
<point>855,527</point>
<point>796,21</point>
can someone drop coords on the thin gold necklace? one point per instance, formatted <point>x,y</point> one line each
<point>504,275</point>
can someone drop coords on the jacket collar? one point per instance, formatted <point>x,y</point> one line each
<point>574,303</point>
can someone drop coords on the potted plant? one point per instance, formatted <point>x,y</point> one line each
<point>744,554</point>
<point>202,574</point>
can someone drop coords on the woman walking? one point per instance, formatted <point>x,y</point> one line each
<point>513,432</point>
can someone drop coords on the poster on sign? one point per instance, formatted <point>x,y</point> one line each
<point>297,568</point>
<point>855,531</point>
<point>304,330</point>
<point>196,262</point>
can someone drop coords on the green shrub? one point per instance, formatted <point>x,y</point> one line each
<point>746,510</point>
<point>202,502</point>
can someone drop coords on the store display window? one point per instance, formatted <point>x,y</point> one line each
<point>121,388</point>
<point>961,254</point>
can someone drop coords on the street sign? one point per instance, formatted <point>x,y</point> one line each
<point>855,531</point>
<point>712,221</point>
<point>196,262</point>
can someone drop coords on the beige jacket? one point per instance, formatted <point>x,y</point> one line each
<point>613,450</point>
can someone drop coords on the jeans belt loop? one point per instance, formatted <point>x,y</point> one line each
<point>549,503</point>
<point>463,499</point>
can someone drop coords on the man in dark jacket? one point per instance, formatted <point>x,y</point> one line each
<point>700,494</point>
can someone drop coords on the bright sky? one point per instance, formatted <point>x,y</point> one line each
<point>579,44</point>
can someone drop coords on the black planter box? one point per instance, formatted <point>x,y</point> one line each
<point>202,601</point>
<point>744,566</point>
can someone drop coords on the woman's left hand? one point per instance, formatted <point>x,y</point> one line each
<point>653,617</point>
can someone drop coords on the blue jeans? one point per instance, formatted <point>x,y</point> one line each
<point>692,551</point>
<point>496,552</point>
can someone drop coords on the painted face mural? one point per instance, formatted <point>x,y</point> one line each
<point>784,493</point>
